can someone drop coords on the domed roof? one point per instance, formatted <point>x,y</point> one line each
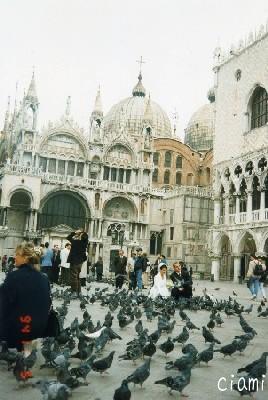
<point>129,115</point>
<point>200,129</point>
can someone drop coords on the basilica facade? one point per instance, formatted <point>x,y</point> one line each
<point>127,180</point>
<point>240,182</point>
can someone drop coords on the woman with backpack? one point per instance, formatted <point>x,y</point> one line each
<point>254,273</point>
<point>263,277</point>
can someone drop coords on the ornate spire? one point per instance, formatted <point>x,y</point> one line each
<point>148,113</point>
<point>7,115</point>
<point>98,104</point>
<point>31,94</point>
<point>68,107</point>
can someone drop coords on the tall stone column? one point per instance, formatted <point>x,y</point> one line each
<point>237,267</point>
<point>237,208</point>
<point>217,211</point>
<point>249,206</point>
<point>262,206</point>
<point>97,252</point>
<point>215,267</point>
<point>226,210</point>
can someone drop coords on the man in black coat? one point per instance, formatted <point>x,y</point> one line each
<point>77,255</point>
<point>182,281</point>
<point>120,264</point>
<point>56,260</point>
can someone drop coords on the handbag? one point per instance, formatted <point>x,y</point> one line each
<point>53,324</point>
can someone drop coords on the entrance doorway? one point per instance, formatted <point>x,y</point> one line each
<point>248,247</point>
<point>113,254</point>
<point>227,263</point>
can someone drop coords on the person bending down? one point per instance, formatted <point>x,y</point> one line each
<point>160,283</point>
<point>182,281</point>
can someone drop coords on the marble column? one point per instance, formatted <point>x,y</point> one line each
<point>237,268</point>
<point>249,207</point>
<point>217,211</point>
<point>226,210</point>
<point>262,206</point>
<point>237,209</point>
<point>97,253</point>
<point>215,268</point>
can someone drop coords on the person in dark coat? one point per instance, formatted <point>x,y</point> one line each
<point>99,269</point>
<point>140,265</point>
<point>24,300</point>
<point>120,264</point>
<point>56,260</point>
<point>79,243</point>
<point>182,281</point>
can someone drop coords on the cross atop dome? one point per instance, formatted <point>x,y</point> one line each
<point>139,89</point>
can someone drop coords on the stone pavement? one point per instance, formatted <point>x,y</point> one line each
<point>204,380</point>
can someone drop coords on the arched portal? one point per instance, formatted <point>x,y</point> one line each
<point>227,266</point>
<point>20,205</point>
<point>63,208</point>
<point>247,247</point>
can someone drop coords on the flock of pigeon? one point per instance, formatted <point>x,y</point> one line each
<point>78,351</point>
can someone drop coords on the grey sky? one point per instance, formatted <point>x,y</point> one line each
<point>75,45</point>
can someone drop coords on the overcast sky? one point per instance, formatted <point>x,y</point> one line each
<point>75,45</point>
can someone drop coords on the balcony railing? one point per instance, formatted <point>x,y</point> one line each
<point>243,218</point>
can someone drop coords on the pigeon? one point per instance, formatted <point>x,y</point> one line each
<point>249,309</point>
<point>139,376</point>
<point>155,336</point>
<point>167,346</point>
<point>139,327</point>
<point>250,366</point>
<point>84,368</point>
<point>53,390</point>
<point>234,293</point>
<point>264,314</point>
<point>228,349</point>
<point>177,383</point>
<point>20,370</point>
<point>30,360</point>
<point>206,355</point>
<point>182,363</point>
<point>191,326</point>
<point>182,337</point>
<point>218,320</point>
<point>246,386</point>
<point>208,336</point>
<point>259,309</point>
<point>149,349</point>
<point>211,324</point>
<point>64,376</point>
<point>241,345</point>
<point>7,355</point>
<point>103,364</point>
<point>123,392</point>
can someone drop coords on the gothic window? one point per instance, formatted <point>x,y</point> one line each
<point>52,165</point>
<point>238,171</point>
<point>143,206</point>
<point>262,163</point>
<point>249,167</point>
<point>106,171</point>
<point>113,174</point>
<point>256,194</point>
<point>121,175</point>
<point>61,167</point>
<point>166,177</point>
<point>70,168</point>
<point>171,233</point>
<point>259,112</point>
<point>97,201</point>
<point>20,200</point>
<point>190,179</point>
<point>156,243</point>
<point>80,169</point>
<point>179,162</point>
<point>178,178</point>
<point>43,163</point>
<point>156,158</point>
<point>168,159</point>
<point>155,175</point>
<point>128,174</point>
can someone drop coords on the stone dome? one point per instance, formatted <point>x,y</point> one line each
<point>129,115</point>
<point>200,129</point>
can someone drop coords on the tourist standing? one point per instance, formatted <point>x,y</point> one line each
<point>120,264</point>
<point>131,274</point>
<point>263,278</point>
<point>83,273</point>
<point>254,273</point>
<point>139,265</point>
<point>65,266</point>
<point>46,262</point>
<point>145,271</point>
<point>182,281</point>
<point>56,264</point>
<point>24,300</point>
<point>99,269</point>
<point>79,243</point>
